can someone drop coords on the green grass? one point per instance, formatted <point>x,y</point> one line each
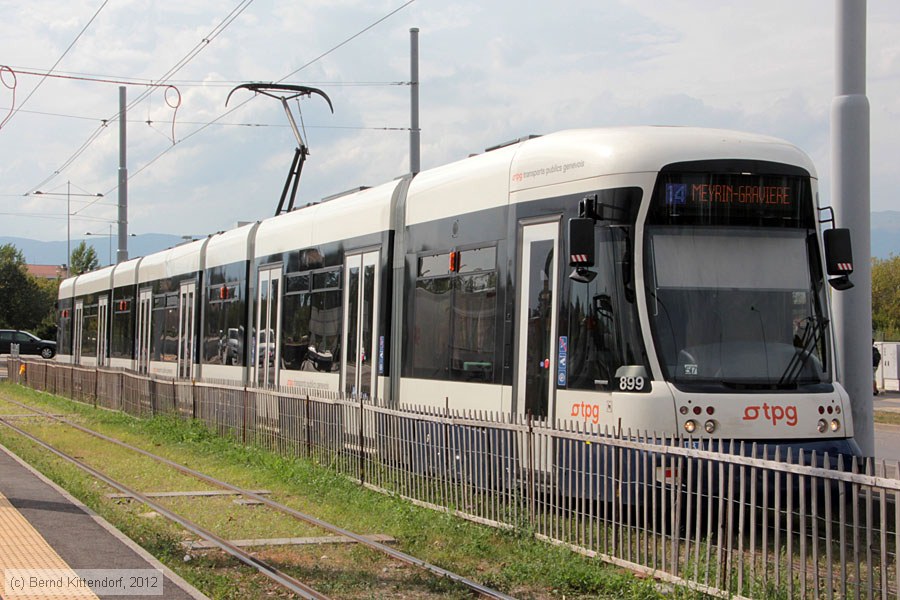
<point>511,561</point>
<point>887,417</point>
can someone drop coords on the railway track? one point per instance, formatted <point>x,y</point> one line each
<point>287,581</point>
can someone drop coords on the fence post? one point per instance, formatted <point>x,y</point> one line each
<point>308,429</point>
<point>529,474</point>
<point>96,384</point>
<point>246,416</point>
<point>361,465</point>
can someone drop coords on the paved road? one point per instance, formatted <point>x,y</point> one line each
<point>887,437</point>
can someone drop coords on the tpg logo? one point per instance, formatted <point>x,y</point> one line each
<point>772,413</point>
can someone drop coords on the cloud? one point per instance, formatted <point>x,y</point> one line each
<point>489,72</point>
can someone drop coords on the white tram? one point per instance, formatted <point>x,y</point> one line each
<point>661,279</point>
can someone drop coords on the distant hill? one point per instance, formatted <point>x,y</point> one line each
<point>886,233</point>
<point>54,253</point>
<point>885,241</point>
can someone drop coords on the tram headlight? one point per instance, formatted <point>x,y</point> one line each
<point>710,426</point>
<point>821,426</point>
<point>835,425</point>
<point>690,425</point>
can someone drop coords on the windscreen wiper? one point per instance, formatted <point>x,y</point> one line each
<point>811,336</point>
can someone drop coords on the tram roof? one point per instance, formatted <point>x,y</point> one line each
<point>360,213</point>
<point>93,281</point>
<point>486,180</point>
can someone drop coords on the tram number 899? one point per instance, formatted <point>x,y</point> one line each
<point>633,384</point>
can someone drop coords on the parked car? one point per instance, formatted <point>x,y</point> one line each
<point>28,343</point>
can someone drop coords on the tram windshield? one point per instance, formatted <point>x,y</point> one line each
<point>735,295</point>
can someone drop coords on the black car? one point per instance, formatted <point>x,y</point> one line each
<point>28,343</point>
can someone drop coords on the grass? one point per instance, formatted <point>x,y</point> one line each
<point>887,417</point>
<point>513,562</point>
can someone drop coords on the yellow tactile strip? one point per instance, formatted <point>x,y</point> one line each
<point>22,547</point>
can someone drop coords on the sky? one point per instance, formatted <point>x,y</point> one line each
<point>489,72</point>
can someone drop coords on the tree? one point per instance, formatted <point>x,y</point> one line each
<point>83,259</point>
<point>23,302</point>
<point>886,297</point>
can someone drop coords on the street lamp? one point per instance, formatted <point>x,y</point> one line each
<point>68,196</point>
<point>110,236</point>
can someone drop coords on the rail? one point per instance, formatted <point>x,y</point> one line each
<point>728,520</point>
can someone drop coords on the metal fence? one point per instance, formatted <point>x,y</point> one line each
<point>723,519</point>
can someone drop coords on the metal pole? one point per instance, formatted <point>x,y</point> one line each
<point>850,185</point>
<point>122,253</point>
<point>414,164</point>
<point>68,228</point>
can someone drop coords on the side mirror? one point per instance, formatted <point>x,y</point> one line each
<point>581,249</point>
<point>838,257</point>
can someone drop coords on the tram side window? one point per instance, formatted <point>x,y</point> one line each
<point>295,320</point>
<point>603,325</point>
<point>311,316</point>
<point>224,336</point>
<point>325,320</point>
<point>122,328</point>
<point>433,305</point>
<point>89,330</point>
<point>474,316</point>
<point>456,315</point>
<point>164,338</point>
<point>64,332</point>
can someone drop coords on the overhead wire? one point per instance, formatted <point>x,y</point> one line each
<point>188,82</point>
<point>238,106</point>
<point>63,55</point>
<point>273,125</point>
<point>291,74</point>
<point>199,47</point>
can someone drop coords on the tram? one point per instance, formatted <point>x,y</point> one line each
<point>660,279</point>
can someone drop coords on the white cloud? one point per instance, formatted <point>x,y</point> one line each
<point>489,72</point>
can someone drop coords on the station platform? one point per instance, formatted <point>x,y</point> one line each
<point>53,547</point>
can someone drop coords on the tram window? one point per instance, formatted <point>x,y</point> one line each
<point>295,321</point>
<point>311,313</point>
<point>323,353</point>
<point>601,317</point>
<point>164,322</point>
<point>224,317</point>
<point>431,334</point>
<point>456,316</point>
<point>89,330</point>
<point>434,265</point>
<point>64,332</point>
<point>327,279</point>
<point>481,259</point>
<point>296,283</point>
<point>122,327</point>
<point>474,326</point>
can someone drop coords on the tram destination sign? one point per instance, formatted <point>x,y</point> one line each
<point>730,198</point>
<point>712,193</point>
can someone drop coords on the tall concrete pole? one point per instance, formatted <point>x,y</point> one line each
<point>122,250</point>
<point>414,164</point>
<point>850,186</point>
<point>68,228</point>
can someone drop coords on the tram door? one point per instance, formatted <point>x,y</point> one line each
<point>142,339</point>
<point>359,355</point>
<point>536,306</point>
<point>79,331</point>
<point>186,330</point>
<point>267,336</point>
<point>103,331</point>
